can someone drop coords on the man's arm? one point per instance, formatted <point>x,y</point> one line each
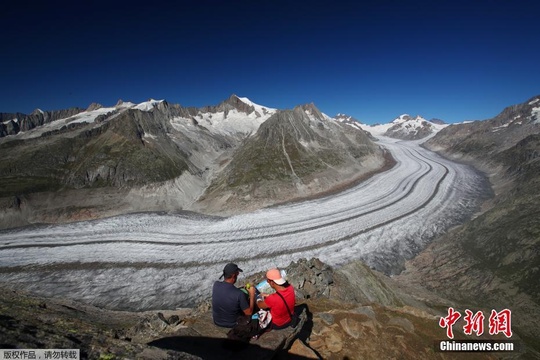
<point>249,310</point>
<point>262,305</point>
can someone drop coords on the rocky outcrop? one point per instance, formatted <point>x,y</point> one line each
<point>94,106</point>
<point>9,127</point>
<point>330,328</point>
<point>353,122</point>
<point>437,121</point>
<point>39,118</point>
<point>233,102</point>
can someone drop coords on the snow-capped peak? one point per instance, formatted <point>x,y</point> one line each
<point>406,127</point>
<point>226,120</point>
<point>406,117</point>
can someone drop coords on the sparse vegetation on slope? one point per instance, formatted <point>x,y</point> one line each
<point>115,155</point>
<point>493,261</point>
<point>295,153</point>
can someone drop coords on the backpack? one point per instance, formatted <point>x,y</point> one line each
<point>245,329</point>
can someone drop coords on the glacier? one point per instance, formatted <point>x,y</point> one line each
<point>150,261</point>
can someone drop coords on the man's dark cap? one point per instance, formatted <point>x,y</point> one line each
<point>230,269</point>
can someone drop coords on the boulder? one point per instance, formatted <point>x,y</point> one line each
<point>201,338</point>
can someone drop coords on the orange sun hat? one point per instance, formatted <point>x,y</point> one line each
<point>275,276</point>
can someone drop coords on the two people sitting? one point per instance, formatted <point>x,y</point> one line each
<point>228,301</point>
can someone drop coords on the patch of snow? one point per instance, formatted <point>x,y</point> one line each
<point>326,117</point>
<point>235,121</point>
<point>401,119</point>
<point>262,110</point>
<point>127,104</point>
<point>407,124</point>
<point>377,130</point>
<point>82,117</point>
<point>245,100</point>
<point>310,115</point>
<point>356,126</point>
<point>535,113</point>
<point>148,105</point>
<point>14,120</point>
<point>180,123</point>
<point>303,143</point>
<point>534,101</point>
<point>88,116</point>
<point>149,136</point>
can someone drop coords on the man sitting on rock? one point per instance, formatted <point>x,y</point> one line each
<point>228,302</point>
<point>281,303</point>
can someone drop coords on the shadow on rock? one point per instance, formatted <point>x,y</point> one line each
<point>307,325</point>
<point>215,348</point>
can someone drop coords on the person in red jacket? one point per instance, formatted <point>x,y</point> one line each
<point>281,307</point>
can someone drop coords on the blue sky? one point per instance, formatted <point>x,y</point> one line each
<point>454,60</point>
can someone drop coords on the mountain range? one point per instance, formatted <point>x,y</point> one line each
<point>237,156</point>
<point>493,260</point>
<point>406,127</point>
<point>155,156</point>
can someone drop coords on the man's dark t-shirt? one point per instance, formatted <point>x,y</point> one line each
<point>228,302</point>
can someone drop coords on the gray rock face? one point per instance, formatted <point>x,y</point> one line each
<point>310,278</point>
<point>484,139</point>
<point>39,118</point>
<point>94,106</point>
<point>295,153</point>
<point>10,127</point>
<point>233,102</point>
<point>491,261</point>
<point>353,283</point>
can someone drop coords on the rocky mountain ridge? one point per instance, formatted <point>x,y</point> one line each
<point>487,138</point>
<point>156,156</point>
<point>295,153</point>
<point>406,127</point>
<point>489,263</point>
<point>494,259</point>
<point>12,124</point>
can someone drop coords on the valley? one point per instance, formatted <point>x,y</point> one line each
<point>165,260</point>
